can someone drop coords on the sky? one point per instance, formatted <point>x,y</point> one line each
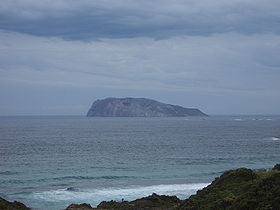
<point>58,56</point>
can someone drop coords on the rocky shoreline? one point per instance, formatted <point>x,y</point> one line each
<point>237,189</point>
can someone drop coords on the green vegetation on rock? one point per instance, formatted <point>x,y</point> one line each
<point>240,189</point>
<point>152,202</point>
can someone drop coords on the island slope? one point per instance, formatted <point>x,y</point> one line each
<point>138,107</point>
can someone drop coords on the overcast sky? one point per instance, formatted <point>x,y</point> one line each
<point>58,56</point>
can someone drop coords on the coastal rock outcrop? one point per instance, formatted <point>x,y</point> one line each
<point>238,189</point>
<point>152,202</point>
<point>83,206</point>
<point>138,107</point>
<point>276,167</point>
<point>7,205</point>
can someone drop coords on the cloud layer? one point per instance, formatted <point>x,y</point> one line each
<point>220,62</point>
<point>89,20</point>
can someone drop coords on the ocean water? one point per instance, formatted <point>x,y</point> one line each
<point>51,162</point>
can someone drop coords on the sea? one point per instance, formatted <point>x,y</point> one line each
<point>49,162</point>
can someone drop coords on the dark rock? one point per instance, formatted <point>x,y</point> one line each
<point>138,107</point>
<point>72,189</point>
<point>83,206</point>
<point>237,175</point>
<point>151,202</point>
<point>157,201</point>
<point>114,205</point>
<point>6,205</point>
<point>276,167</point>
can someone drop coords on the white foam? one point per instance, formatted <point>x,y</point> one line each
<point>238,119</point>
<point>95,196</point>
<point>275,138</point>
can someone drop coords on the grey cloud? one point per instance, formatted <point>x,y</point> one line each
<point>218,63</point>
<point>87,20</point>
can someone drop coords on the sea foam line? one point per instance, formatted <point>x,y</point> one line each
<point>95,196</point>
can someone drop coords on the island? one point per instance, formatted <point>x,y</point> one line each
<point>139,107</point>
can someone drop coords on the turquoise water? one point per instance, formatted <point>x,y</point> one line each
<point>50,162</point>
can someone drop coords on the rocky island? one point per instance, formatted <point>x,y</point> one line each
<point>139,107</point>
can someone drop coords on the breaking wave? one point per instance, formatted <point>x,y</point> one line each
<point>62,178</point>
<point>238,119</point>
<point>95,196</point>
<point>274,138</point>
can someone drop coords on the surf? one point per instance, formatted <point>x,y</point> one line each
<point>95,196</point>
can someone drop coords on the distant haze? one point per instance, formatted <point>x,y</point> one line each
<point>57,57</point>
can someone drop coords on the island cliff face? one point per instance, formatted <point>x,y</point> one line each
<point>138,107</point>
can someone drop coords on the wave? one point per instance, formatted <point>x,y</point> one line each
<point>95,196</point>
<point>8,173</point>
<point>63,178</point>
<point>238,119</point>
<point>90,177</point>
<point>272,138</point>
